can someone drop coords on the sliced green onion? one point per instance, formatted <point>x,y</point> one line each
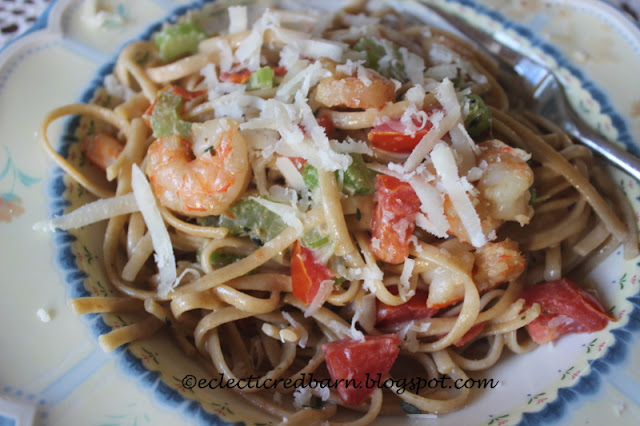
<point>314,239</point>
<point>358,178</point>
<point>478,119</point>
<point>534,199</point>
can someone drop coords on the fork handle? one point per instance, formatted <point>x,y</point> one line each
<point>621,158</point>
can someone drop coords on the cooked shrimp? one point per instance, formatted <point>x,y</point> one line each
<point>503,190</point>
<point>204,183</point>
<point>372,91</point>
<point>102,149</point>
<point>497,263</point>
<point>506,181</point>
<point>493,264</point>
<point>446,286</point>
<point>456,227</point>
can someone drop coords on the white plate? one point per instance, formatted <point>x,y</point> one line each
<point>55,372</point>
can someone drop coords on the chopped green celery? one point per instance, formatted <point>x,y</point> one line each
<point>478,119</point>
<point>314,239</point>
<point>358,179</point>
<point>250,218</point>
<point>178,39</point>
<point>165,118</point>
<point>221,258</point>
<point>310,176</point>
<point>383,56</point>
<point>261,79</point>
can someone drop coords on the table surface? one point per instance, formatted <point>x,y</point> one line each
<point>16,16</point>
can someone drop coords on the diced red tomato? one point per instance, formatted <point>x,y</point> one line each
<point>470,334</point>
<point>240,76</point>
<point>177,90</point>
<point>565,308</point>
<point>299,162</point>
<point>279,71</point>
<point>390,136</point>
<point>413,309</point>
<point>185,94</point>
<point>307,273</point>
<point>394,219</point>
<point>352,360</point>
<point>326,122</point>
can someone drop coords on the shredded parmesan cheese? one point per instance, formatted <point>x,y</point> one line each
<point>237,19</point>
<point>431,204</point>
<point>324,291</point>
<point>413,119</point>
<point>445,165</point>
<point>414,66</point>
<point>416,95</point>
<point>350,145</point>
<point>113,87</point>
<point>210,76</point>
<point>301,82</point>
<point>225,53</point>
<point>317,49</point>
<point>302,396</point>
<point>446,95</point>
<point>407,271</point>
<point>368,274</point>
<point>291,173</point>
<point>43,315</point>
<point>164,257</point>
<point>465,148</point>
<point>312,144</point>
<point>236,105</point>
<point>248,52</point>
<point>90,213</point>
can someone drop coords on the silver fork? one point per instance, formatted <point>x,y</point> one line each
<point>547,96</point>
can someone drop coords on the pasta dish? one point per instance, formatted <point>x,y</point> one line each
<point>339,196</point>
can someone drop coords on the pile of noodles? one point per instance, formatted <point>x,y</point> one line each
<point>242,319</point>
